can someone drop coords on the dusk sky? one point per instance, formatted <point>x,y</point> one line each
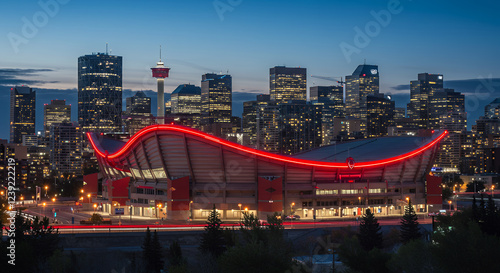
<point>459,39</point>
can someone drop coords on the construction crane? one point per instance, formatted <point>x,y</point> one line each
<point>332,79</point>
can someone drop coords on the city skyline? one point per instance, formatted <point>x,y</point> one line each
<point>47,61</point>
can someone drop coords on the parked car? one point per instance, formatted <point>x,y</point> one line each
<point>292,217</point>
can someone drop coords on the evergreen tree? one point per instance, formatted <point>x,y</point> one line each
<point>251,229</point>
<point>175,256</point>
<point>36,241</point>
<point>151,252</point>
<point>264,249</point>
<point>212,240</point>
<point>156,259</point>
<point>482,209</point>
<point>491,223</point>
<point>369,232</point>
<point>275,222</point>
<point>410,228</point>
<point>146,250</point>
<point>475,210</point>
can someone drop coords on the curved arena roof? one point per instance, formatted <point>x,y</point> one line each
<point>369,152</point>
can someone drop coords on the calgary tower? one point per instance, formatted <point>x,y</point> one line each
<point>160,72</point>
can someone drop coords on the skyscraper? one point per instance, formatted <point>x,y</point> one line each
<point>249,117</point>
<point>330,93</point>
<point>451,149</point>
<point>442,102</point>
<point>399,113</point>
<point>380,115</point>
<point>216,103</point>
<point>139,104</point>
<point>55,112</point>
<point>446,111</point>
<point>299,127</point>
<point>289,128</point>
<point>65,148</point>
<point>364,81</point>
<point>268,133</point>
<point>186,99</point>
<point>138,114</point>
<point>287,83</point>
<point>492,110</point>
<point>22,113</point>
<point>421,92</point>
<point>100,92</point>
<point>331,100</point>
<point>486,138</point>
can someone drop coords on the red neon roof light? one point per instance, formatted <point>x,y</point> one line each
<point>286,159</point>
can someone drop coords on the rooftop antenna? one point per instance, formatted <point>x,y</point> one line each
<point>160,53</point>
<point>106,48</point>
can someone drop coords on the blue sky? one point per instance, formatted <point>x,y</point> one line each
<point>456,38</point>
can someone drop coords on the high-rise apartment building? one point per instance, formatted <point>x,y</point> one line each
<point>216,103</point>
<point>486,138</point>
<point>289,128</point>
<point>492,110</point>
<point>330,93</point>
<point>22,113</point>
<point>329,111</point>
<point>138,113</point>
<point>186,99</point>
<point>364,81</point>
<point>268,131</point>
<point>139,104</point>
<point>100,92</point>
<point>249,117</point>
<point>299,127</point>
<point>452,148</point>
<point>55,112</point>
<point>399,113</point>
<point>380,115</point>
<point>66,148</point>
<point>442,102</point>
<point>421,92</point>
<point>287,83</point>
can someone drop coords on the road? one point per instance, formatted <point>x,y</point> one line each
<point>65,213</point>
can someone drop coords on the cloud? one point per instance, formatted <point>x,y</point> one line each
<point>466,86</point>
<point>401,87</point>
<point>14,76</point>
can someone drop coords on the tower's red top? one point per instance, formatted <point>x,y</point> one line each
<point>160,72</point>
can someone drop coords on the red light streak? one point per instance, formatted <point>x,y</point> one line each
<point>181,129</point>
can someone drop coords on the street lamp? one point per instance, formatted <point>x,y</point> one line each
<point>190,210</point>
<point>449,204</point>
<point>44,208</point>
<point>81,191</point>
<point>291,208</point>
<point>95,206</point>
<point>53,199</point>
<point>46,188</point>
<point>158,214</point>
<point>239,205</point>
<point>88,195</point>
<point>492,192</point>
<point>359,200</point>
